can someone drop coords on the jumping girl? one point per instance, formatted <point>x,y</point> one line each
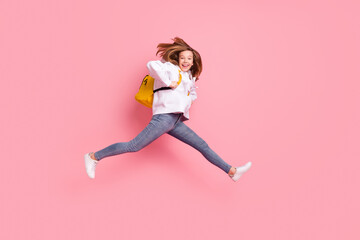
<point>170,108</point>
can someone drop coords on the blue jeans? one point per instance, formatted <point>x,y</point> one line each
<point>171,124</point>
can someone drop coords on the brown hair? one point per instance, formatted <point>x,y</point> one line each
<point>170,53</point>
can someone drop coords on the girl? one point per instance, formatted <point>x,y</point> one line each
<point>179,68</point>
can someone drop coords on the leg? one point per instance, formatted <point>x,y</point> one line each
<point>188,136</point>
<point>159,124</point>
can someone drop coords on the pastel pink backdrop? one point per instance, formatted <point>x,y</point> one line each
<point>280,88</point>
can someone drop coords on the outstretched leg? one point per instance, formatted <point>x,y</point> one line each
<point>159,124</point>
<point>188,136</point>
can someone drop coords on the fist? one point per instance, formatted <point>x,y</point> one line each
<point>173,84</point>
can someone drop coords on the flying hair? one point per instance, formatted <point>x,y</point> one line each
<point>170,52</point>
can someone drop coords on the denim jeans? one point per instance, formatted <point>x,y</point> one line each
<point>171,124</point>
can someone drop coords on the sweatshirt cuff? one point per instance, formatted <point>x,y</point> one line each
<point>167,82</point>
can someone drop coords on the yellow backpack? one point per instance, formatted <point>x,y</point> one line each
<point>145,95</point>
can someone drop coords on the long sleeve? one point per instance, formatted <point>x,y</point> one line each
<point>176,100</point>
<point>159,70</point>
<point>193,93</point>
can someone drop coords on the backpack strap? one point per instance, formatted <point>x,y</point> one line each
<point>162,88</point>
<point>166,88</point>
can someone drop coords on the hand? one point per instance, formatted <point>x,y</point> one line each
<point>173,84</point>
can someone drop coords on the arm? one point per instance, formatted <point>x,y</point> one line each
<point>193,94</point>
<point>159,70</point>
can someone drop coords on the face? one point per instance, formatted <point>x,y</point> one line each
<point>185,60</point>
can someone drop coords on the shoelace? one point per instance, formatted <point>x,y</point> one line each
<point>93,162</point>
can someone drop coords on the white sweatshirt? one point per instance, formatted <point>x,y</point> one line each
<point>176,100</point>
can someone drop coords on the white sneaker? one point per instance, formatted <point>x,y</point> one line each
<point>240,171</point>
<point>90,165</point>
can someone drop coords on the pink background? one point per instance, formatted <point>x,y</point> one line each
<point>280,88</point>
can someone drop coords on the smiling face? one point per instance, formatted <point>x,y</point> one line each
<point>185,60</point>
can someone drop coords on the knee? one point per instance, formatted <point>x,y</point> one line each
<point>133,147</point>
<point>203,145</point>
